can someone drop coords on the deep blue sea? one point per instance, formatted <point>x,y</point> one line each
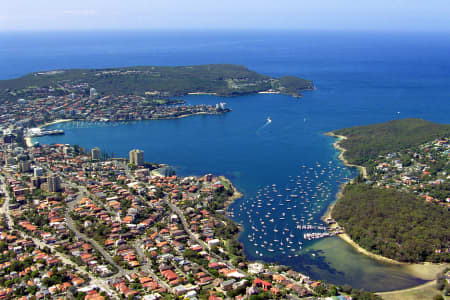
<point>287,169</point>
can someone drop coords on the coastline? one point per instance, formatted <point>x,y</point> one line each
<point>342,151</point>
<point>425,271</point>
<point>202,93</point>
<point>270,92</point>
<point>193,114</point>
<point>236,194</point>
<point>156,173</point>
<point>29,141</point>
<point>346,238</point>
<point>54,122</point>
<point>422,290</point>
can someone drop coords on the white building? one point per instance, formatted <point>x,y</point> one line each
<point>92,93</point>
<point>38,171</point>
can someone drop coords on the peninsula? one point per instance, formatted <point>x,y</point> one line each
<point>153,82</point>
<point>398,210</point>
<point>132,93</point>
<point>79,224</point>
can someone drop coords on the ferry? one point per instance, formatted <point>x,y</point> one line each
<point>35,132</point>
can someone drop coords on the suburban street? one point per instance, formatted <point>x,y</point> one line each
<point>4,209</point>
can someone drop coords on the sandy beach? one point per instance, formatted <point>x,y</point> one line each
<point>347,239</point>
<point>425,271</point>
<point>202,93</point>
<point>55,122</point>
<point>156,173</point>
<point>269,92</point>
<point>420,292</point>
<point>28,140</point>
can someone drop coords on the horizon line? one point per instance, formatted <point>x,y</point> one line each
<point>252,29</point>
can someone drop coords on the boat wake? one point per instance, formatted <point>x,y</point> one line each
<point>265,125</point>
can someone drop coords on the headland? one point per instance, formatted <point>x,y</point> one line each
<point>126,224</point>
<point>342,150</point>
<point>424,270</point>
<point>153,82</point>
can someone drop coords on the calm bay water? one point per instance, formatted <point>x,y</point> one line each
<point>361,78</point>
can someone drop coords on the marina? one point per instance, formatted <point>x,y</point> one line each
<point>348,93</point>
<point>287,216</point>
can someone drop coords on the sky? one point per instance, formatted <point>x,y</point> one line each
<point>379,15</point>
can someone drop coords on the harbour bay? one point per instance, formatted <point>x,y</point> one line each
<point>361,89</point>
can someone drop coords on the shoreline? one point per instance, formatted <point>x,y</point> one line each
<point>29,140</point>
<point>157,172</point>
<point>236,194</point>
<point>57,121</point>
<point>401,293</point>
<point>346,238</point>
<point>202,93</point>
<point>270,92</point>
<point>193,114</point>
<point>342,151</point>
<point>425,271</point>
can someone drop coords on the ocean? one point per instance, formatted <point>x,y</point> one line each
<point>287,168</point>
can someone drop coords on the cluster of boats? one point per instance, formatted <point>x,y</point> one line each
<point>280,218</point>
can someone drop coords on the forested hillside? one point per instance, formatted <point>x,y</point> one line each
<point>394,224</point>
<point>221,79</point>
<point>365,143</point>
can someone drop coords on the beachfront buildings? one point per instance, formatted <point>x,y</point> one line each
<point>137,157</point>
<point>95,154</point>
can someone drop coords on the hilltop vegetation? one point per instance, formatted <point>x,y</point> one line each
<point>365,143</point>
<point>399,210</point>
<point>394,224</point>
<point>222,79</point>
